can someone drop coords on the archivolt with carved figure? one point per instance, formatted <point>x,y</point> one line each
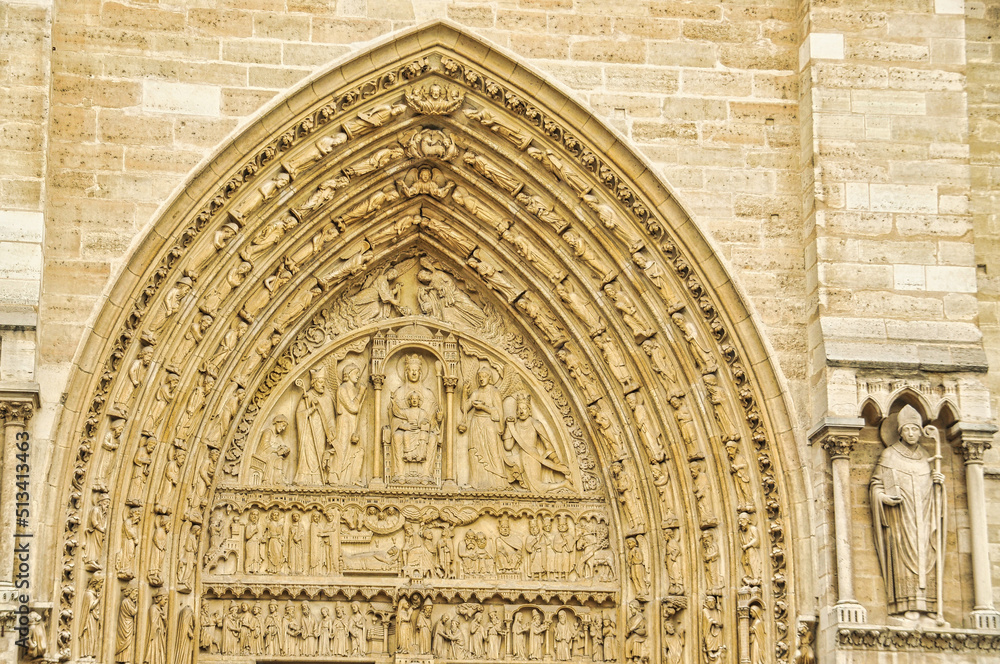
<point>394,390</point>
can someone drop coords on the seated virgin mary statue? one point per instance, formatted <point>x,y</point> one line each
<point>415,425</point>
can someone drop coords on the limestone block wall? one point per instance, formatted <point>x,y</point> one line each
<point>894,253</point>
<point>24,81</point>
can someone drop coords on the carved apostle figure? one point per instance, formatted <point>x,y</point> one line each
<point>273,637</point>
<point>156,646</point>
<point>564,633</point>
<point>518,137</point>
<point>537,632</point>
<point>556,165</point>
<point>903,514</point>
<point>129,544</point>
<point>125,632</point>
<point>188,558</point>
<point>673,642</point>
<point>711,620</point>
<point>477,208</point>
<point>356,629</point>
<point>368,206</point>
<point>274,543</point>
<point>635,637</point>
<point>493,276</point>
<point>97,527</point>
<point>324,193</point>
<point>368,121</point>
<point>379,297</point>
<point>338,641</point>
<point>296,545</point>
<point>598,266</point>
<point>440,296</point>
<point>627,496</point>
<point>580,306</point>
<point>422,638</point>
<point>404,626</point>
<point>378,159</point>
<point>275,451</point>
<point>750,559</point>
<point>35,642</point>
<point>90,632</point>
<point>508,548</point>
<point>530,459</point>
<point>492,172</point>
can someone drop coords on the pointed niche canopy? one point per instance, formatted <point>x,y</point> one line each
<point>428,348</point>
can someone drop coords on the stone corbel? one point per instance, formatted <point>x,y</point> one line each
<point>973,439</point>
<point>838,437</point>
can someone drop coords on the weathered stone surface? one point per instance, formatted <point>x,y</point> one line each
<point>847,176</point>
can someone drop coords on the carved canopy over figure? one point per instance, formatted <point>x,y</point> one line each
<point>903,514</point>
<point>415,423</point>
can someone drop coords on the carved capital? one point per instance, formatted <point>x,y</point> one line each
<point>973,439</point>
<point>16,412</point>
<point>973,450</point>
<point>839,446</point>
<point>378,381</point>
<point>837,435</point>
<point>450,383</point>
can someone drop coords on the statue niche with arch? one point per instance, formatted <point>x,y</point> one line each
<point>908,515</point>
<point>411,441</point>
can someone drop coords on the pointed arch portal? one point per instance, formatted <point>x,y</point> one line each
<point>427,363</point>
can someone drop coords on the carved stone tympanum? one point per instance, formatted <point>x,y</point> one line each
<point>408,388</point>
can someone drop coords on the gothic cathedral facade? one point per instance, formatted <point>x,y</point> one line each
<point>538,330</point>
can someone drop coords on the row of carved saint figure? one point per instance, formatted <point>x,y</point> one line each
<point>465,631</point>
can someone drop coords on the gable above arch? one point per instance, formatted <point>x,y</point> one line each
<point>434,183</point>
